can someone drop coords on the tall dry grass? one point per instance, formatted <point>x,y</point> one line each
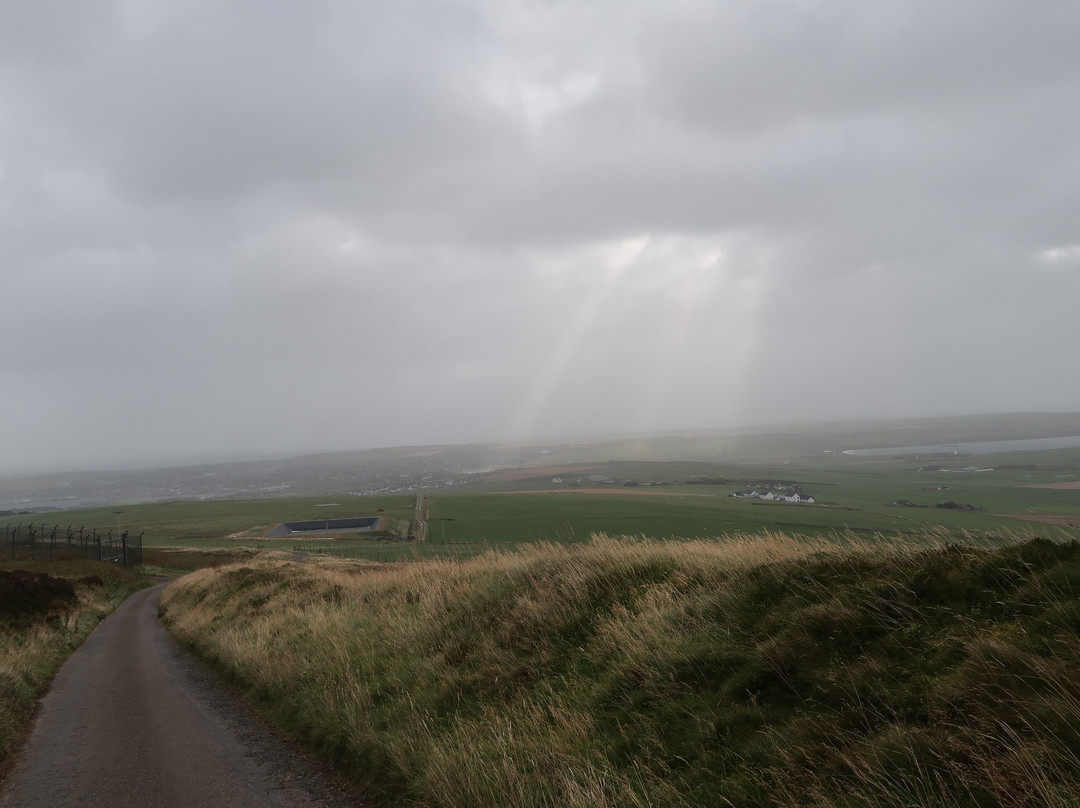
<point>764,670</point>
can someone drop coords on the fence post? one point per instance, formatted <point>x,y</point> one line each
<point>123,546</point>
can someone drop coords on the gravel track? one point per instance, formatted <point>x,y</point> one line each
<point>131,720</point>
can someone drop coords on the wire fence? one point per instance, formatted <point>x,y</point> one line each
<point>56,543</point>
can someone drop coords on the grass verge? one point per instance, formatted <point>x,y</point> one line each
<point>745,671</point>
<point>171,562</point>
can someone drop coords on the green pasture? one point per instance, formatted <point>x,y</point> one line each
<point>1005,490</point>
<point>574,516</point>
<point>199,522</point>
<point>851,493</point>
<point>664,500</point>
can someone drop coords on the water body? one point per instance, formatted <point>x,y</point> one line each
<point>982,447</point>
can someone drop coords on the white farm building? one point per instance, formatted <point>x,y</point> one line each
<point>773,497</point>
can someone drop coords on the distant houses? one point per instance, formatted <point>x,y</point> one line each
<point>769,496</point>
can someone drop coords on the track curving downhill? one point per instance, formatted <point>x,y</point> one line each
<point>131,720</point>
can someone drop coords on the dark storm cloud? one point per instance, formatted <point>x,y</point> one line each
<point>268,226</point>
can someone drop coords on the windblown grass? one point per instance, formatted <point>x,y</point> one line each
<point>171,562</point>
<point>34,644</point>
<point>622,672</point>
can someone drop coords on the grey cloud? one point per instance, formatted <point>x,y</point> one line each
<point>748,66</point>
<point>51,34</point>
<point>194,108</point>
<point>248,226</point>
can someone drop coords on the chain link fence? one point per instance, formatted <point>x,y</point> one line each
<point>38,541</point>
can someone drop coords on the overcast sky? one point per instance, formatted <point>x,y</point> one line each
<point>258,226</point>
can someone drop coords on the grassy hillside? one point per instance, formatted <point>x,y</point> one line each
<point>746,671</point>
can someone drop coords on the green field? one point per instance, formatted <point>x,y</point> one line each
<point>661,499</point>
<point>213,520</point>
<point>668,500</point>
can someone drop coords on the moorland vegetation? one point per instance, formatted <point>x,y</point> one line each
<point>747,670</point>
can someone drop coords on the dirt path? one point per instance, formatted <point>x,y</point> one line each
<point>131,720</point>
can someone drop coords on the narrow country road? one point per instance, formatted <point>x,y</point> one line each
<point>131,720</point>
